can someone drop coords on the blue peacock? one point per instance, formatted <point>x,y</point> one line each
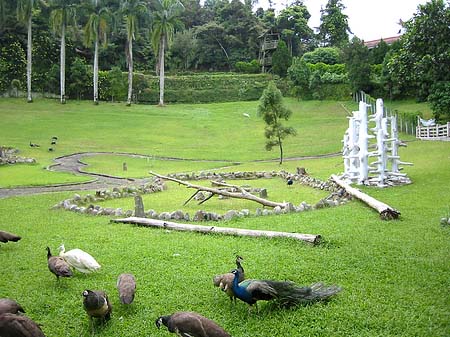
<point>285,292</point>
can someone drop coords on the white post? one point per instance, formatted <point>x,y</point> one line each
<point>363,144</point>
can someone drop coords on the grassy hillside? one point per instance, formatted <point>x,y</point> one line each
<point>394,273</point>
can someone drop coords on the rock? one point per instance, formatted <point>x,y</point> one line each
<point>200,216</point>
<point>177,215</point>
<point>245,212</point>
<point>263,193</point>
<point>139,206</point>
<point>230,215</point>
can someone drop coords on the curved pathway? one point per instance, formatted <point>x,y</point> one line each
<point>72,164</point>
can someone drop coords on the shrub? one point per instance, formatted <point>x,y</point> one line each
<point>440,101</point>
<point>327,55</point>
<point>252,67</point>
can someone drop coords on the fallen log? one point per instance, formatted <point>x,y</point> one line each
<point>386,212</point>
<point>242,195</point>
<point>310,238</point>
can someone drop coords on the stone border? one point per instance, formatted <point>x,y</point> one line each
<point>86,204</point>
<point>8,155</point>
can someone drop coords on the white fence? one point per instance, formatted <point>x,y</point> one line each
<point>435,132</point>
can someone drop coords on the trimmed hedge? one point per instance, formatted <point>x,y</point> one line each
<point>202,88</point>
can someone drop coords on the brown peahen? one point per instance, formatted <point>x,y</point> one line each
<point>191,324</point>
<point>6,236</point>
<point>12,325</point>
<point>58,266</point>
<point>97,305</point>
<point>126,285</point>
<point>8,305</point>
<point>225,281</point>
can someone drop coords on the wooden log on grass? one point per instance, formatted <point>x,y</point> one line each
<point>310,238</point>
<point>386,212</point>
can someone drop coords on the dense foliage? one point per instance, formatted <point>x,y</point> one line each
<point>217,36</point>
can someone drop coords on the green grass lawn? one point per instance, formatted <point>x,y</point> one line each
<point>395,274</point>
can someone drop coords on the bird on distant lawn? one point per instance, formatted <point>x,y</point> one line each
<point>290,181</point>
<point>50,149</point>
<point>97,305</point>
<point>54,138</point>
<point>6,236</point>
<point>285,292</point>
<point>79,259</point>
<point>191,324</point>
<point>225,281</point>
<point>34,145</point>
<point>12,325</point>
<point>58,266</point>
<point>126,285</point>
<point>8,305</point>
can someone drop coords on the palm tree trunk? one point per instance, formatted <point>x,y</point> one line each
<point>161,72</point>
<point>29,49</point>
<point>63,64</point>
<point>96,71</point>
<point>130,70</point>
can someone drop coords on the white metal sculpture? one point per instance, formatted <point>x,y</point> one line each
<point>361,143</point>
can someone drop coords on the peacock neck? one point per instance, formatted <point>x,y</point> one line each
<point>240,291</point>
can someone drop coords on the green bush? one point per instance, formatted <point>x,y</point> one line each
<point>327,55</point>
<point>252,67</point>
<point>440,101</point>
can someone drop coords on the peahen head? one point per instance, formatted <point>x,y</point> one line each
<point>61,248</point>
<point>161,320</point>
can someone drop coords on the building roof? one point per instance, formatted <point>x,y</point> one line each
<point>389,40</point>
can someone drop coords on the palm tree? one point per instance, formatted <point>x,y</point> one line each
<point>62,15</point>
<point>25,14</point>
<point>96,29</point>
<point>165,22</point>
<point>131,10</point>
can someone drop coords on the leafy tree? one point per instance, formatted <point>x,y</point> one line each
<point>299,74</point>
<point>182,51</point>
<point>12,63</point>
<point>79,78</point>
<point>242,30</point>
<point>116,83</point>
<point>378,53</point>
<point>96,29</point>
<point>25,15</point>
<point>281,60</point>
<point>62,15</point>
<point>440,101</point>
<point>356,57</point>
<point>273,110</point>
<point>423,58</point>
<point>131,11</point>
<point>295,18</point>
<point>165,22</point>
<point>212,47</point>
<point>333,29</point>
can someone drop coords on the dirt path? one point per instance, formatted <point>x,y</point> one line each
<point>73,164</point>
